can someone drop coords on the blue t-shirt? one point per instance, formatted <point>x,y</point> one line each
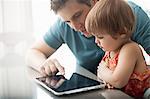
<point>87,53</point>
<point>141,33</point>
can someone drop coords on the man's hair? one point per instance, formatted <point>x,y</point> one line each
<point>110,16</point>
<point>56,5</point>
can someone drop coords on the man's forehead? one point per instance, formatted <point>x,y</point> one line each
<point>69,10</point>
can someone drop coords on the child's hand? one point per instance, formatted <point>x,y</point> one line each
<point>103,63</point>
<point>109,86</point>
<point>100,80</point>
<point>100,70</point>
<point>106,84</point>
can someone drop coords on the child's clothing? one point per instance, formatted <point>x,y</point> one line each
<point>137,83</point>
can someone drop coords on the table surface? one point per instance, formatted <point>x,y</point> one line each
<point>95,94</point>
<point>16,81</point>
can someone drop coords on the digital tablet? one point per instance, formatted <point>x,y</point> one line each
<point>59,85</point>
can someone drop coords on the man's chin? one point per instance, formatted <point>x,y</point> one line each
<point>86,34</point>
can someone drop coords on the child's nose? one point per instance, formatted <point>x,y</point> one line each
<point>96,40</point>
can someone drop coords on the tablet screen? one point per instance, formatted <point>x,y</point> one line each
<point>59,84</point>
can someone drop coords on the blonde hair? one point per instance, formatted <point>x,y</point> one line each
<point>110,16</point>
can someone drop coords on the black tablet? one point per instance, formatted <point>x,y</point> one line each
<point>59,85</point>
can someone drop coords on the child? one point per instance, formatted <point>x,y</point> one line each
<point>123,66</point>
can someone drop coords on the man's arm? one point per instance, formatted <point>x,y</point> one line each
<point>37,58</point>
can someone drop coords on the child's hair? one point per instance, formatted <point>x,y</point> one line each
<point>110,16</point>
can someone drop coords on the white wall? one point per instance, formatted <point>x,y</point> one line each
<point>15,37</point>
<point>17,16</point>
<point>143,3</point>
<point>1,17</point>
<point>42,17</point>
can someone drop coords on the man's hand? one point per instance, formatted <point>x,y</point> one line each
<point>54,82</point>
<point>51,67</point>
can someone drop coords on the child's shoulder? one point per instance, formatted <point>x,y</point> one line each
<point>131,47</point>
<point>131,44</point>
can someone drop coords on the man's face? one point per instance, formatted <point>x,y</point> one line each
<point>75,14</point>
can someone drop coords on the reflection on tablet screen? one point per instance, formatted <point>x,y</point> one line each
<point>59,84</point>
<point>52,81</point>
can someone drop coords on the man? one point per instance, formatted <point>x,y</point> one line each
<point>70,29</point>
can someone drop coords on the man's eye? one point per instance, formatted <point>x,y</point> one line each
<point>100,37</point>
<point>77,15</point>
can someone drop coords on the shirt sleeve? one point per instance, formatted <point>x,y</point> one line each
<point>53,37</point>
<point>141,33</point>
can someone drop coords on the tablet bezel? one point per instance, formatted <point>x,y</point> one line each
<point>101,86</point>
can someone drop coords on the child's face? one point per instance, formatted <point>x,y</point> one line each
<point>107,42</point>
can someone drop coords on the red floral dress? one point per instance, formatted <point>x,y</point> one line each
<point>137,83</point>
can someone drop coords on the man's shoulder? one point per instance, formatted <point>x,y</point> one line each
<point>132,4</point>
<point>60,22</point>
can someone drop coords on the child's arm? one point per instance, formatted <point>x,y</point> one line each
<point>126,64</point>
